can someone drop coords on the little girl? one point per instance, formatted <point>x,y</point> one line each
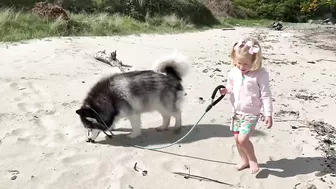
<point>248,85</point>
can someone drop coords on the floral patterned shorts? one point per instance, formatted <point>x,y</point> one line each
<point>243,123</point>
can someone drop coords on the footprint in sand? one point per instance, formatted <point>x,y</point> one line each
<point>41,131</point>
<point>35,103</point>
<point>298,149</point>
<point>29,97</point>
<point>72,162</point>
<point>48,132</point>
<point>80,160</point>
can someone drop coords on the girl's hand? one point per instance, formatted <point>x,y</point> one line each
<point>223,91</point>
<point>268,121</point>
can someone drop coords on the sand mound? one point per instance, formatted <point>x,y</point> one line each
<point>50,11</point>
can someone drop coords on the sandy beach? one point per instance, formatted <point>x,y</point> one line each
<point>42,141</point>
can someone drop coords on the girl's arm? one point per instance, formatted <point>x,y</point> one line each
<point>229,83</point>
<point>265,91</point>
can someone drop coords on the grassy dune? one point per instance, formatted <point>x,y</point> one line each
<point>16,26</point>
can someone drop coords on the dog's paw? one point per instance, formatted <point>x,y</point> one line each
<point>161,128</point>
<point>90,140</point>
<point>133,135</point>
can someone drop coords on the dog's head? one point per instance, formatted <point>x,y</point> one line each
<point>91,119</point>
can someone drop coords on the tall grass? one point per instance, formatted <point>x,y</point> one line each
<point>18,25</point>
<point>193,10</point>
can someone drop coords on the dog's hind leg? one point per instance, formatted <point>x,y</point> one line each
<point>178,121</point>
<point>165,122</point>
<point>135,121</point>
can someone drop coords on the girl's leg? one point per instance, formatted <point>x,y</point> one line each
<point>245,162</point>
<point>247,147</point>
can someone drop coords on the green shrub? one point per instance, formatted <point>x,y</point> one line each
<point>18,3</point>
<point>288,10</point>
<point>192,10</point>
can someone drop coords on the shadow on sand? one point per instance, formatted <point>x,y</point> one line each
<point>299,166</point>
<point>150,137</point>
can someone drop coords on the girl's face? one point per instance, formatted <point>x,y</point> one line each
<point>244,63</point>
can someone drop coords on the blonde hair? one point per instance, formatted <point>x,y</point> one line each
<point>249,47</point>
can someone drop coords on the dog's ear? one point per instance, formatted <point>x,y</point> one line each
<point>85,112</point>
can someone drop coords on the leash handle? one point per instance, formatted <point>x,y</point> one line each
<point>213,103</point>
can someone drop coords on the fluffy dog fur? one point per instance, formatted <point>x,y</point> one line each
<point>133,93</point>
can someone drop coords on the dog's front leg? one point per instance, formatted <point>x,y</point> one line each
<point>93,134</point>
<point>135,121</point>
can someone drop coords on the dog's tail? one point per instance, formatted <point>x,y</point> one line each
<point>175,64</point>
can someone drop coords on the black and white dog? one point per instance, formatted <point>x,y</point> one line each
<point>128,95</point>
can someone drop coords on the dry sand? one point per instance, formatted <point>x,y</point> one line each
<point>43,142</point>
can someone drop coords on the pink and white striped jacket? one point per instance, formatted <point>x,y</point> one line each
<point>250,94</point>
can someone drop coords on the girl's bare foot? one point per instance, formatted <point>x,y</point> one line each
<point>242,166</point>
<point>254,167</point>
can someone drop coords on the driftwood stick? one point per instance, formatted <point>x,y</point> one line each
<point>224,29</point>
<point>110,59</point>
<point>102,56</point>
<point>186,176</point>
